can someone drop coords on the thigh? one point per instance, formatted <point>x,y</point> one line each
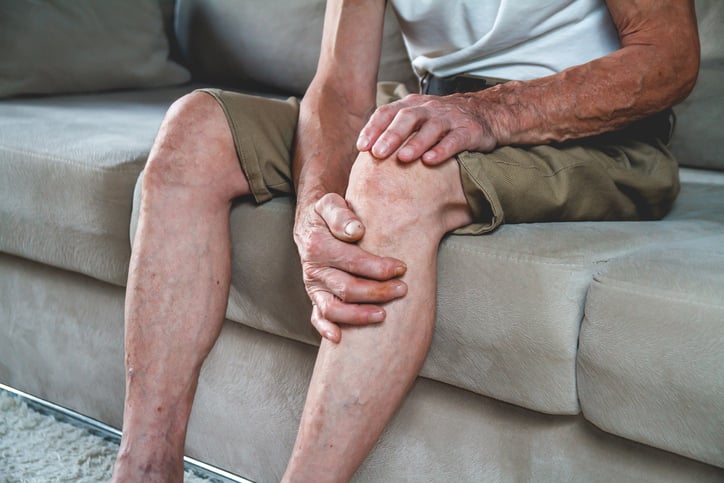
<point>625,175</point>
<point>263,132</point>
<point>604,178</point>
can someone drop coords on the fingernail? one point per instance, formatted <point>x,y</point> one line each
<point>400,270</point>
<point>329,335</point>
<point>405,152</point>
<point>381,148</point>
<point>377,316</point>
<point>400,289</point>
<point>353,228</point>
<point>362,142</point>
<point>428,157</point>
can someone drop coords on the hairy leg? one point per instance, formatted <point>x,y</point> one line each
<point>178,283</point>
<point>359,383</point>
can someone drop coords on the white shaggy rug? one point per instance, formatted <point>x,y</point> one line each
<point>38,448</point>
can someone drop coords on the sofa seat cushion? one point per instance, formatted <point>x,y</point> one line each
<point>67,170</point>
<point>510,303</point>
<point>652,348</point>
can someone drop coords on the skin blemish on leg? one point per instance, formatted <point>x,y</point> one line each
<point>354,405</point>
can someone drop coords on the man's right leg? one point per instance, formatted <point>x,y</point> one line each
<point>178,283</point>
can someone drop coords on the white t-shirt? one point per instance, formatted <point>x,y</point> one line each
<point>510,39</point>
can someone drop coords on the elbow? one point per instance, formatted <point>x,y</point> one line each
<point>353,98</point>
<point>687,74</point>
<point>686,62</point>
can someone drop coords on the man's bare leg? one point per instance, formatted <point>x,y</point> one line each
<point>178,283</point>
<point>358,384</point>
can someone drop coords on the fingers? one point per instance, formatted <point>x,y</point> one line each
<point>338,312</point>
<point>429,128</point>
<point>342,298</point>
<point>340,219</point>
<point>328,312</point>
<point>403,125</point>
<point>389,127</point>
<point>352,289</point>
<point>376,125</point>
<point>411,131</point>
<point>345,226</point>
<point>326,329</point>
<point>428,138</point>
<point>452,143</point>
<point>322,251</point>
<point>343,281</point>
<point>331,308</point>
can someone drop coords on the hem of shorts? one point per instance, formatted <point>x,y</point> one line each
<point>248,160</point>
<point>472,187</point>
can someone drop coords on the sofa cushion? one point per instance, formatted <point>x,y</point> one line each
<point>698,139</point>
<point>510,304</point>
<point>67,170</point>
<point>652,348</point>
<point>276,47</point>
<point>82,46</point>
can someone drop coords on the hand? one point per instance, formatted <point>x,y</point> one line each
<point>430,128</point>
<point>343,281</point>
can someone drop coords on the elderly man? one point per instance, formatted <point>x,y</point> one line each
<point>577,132</point>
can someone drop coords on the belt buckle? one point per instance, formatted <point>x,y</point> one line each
<point>425,83</point>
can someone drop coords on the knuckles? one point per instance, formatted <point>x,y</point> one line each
<point>386,111</point>
<point>313,245</point>
<point>326,202</point>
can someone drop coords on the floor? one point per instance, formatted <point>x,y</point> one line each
<point>112,435</point>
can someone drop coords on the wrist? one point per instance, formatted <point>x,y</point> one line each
<point>498,111</point>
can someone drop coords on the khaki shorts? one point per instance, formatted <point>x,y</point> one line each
<point>616,176</point>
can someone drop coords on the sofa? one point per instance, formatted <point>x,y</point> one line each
<point>587,351</point>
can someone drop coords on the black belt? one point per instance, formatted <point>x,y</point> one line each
<point>659,126</point>
<point>442,86</point>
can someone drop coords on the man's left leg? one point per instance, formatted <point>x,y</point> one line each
<point>358,384</point>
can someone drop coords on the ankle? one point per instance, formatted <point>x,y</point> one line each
<point>148,459</point>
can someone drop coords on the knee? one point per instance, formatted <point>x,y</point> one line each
<point>406,196</point>
<point>385,181</point>
<point>192,135</point>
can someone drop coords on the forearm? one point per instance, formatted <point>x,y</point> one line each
<point>583,101</point>
<point>340,98</point>
<point>325,144</point>
<point>655,68</point>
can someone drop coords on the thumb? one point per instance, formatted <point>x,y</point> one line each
<point>342,222</point>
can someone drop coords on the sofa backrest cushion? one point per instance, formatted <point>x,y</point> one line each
<point>168,12</point>
<point>57,47</point>
<point>699,137</point>
<point>272,45</point>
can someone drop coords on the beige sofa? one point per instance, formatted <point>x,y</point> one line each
<point>562,351</point>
